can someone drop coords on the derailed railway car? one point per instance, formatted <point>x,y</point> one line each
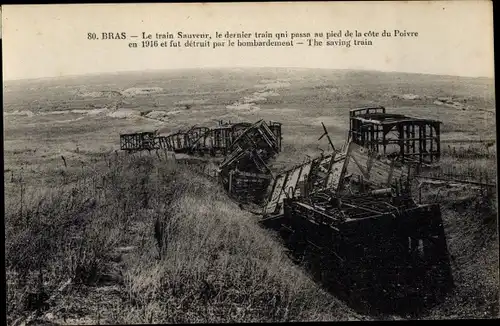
<point>178,142</point>
<point>356,210</point>
<point>196,140</point>
<point>380,243</point>
<point>276,129</point>
<point>244,171</point>
<point>216,141</point>
<point>317,174</point>
<point>138,141</point>
<point>221,139</point>
<point>353,207</point>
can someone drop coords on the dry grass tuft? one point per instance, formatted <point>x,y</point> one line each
<point>217,265</point>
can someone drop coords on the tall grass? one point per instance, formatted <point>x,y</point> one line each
<point>471,225</point>
<point>470,216</point>
<point>472,162</point>
<point>217,265</point>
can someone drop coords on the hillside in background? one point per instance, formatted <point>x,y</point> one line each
<point>58,115</point>
<point>75,208</point>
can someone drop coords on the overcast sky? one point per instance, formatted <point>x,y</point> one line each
<point>455,38</point>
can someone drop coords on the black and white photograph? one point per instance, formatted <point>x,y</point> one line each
<point>249,162</point>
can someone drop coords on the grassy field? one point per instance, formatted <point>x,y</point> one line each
<point>75,208</point>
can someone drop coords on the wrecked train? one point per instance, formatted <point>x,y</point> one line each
<point>354,204</point>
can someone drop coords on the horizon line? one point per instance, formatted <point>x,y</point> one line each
<point>242,67</point>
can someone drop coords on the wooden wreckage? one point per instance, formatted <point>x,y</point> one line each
<point>358,209</point>
<point>196,140</point>
<point>355,203</point>
<point>246,149</point>
<point>244,171</point>
<point>404,138</point>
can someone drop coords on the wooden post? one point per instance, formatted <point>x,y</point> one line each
<point>432,143</point>
<point>408,136</point>
<point>328,137</point>
<point>361,131</point>
<point>379,129</point>
<point>438,141</point>
<point>424,141</point>
<point>408,179</point>
<point>420,142</point>
<point>420,195</point>
<point>413,137</point>
<point>230,181</point>
<point>330,164</point>
<point>383,140</point>
<point>401,142</point>
<point>372,136</point>
<point>350,127</point>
